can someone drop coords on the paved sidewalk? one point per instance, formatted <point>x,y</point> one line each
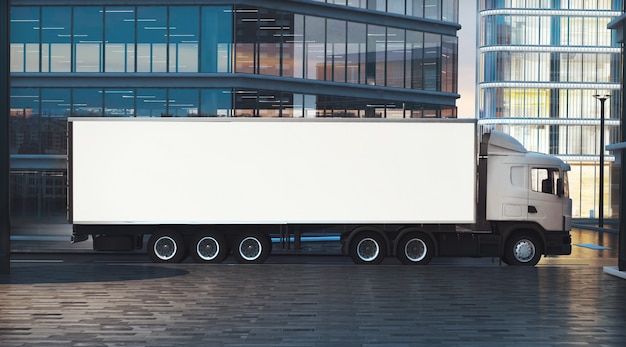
<point>309,305</point>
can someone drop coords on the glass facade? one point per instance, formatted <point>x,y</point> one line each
<point>540,64</point>
<point>381,59</point>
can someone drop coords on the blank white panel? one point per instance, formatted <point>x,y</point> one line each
<point>211,171</point>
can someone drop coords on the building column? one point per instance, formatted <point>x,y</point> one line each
<point>5,224</point>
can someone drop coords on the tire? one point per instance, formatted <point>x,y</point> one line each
<point>208,247</point>
<point>415,249</point>
<point>252,248</point>
<point>368,247</point>
<point>166,246</point>
<point>522,249</point>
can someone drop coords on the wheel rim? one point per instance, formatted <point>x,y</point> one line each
<point>367,249</point>
<point>524,251</point>
<point>165,248</point>
<point>250,248</point>
<point>415,250</point>
<point>207,248</point>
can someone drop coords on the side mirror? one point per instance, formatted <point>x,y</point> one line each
<point>560,190</point>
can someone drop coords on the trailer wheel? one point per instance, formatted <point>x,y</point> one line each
<point>166,246</point>
<point>415,249</point>
<point>252,248</point>
<point>522,249</point>
<point>208,247</point>
<point>368,248</point>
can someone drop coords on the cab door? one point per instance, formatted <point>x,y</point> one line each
<point>546,198</point>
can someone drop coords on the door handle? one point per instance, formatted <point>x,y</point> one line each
<point>532,209</point>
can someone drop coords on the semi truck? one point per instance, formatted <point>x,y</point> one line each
<point>407,188</point>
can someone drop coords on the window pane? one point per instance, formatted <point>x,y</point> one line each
<point>56,38</point>
<point>336,50</point>
<point>314,49</point>
<point>357,36</point>
<point>151,103</point>
<point>151,39</point>
<point>183,102</point>
<point>184,31</point>
<point>87,102</point>
<point>55,108</point>
<point>432,54</point>
<point>25,28</point>
<point>87,33</point>
<point>375,68</point>
<point>395,58</point>
<point>119,39</point>
<point>215,103</point>
<point>119,102</point>
<point>216,39</point>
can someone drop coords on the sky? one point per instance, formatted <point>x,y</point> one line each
<point>467,59</point>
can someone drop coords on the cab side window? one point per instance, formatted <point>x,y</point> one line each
<point>544,180</point>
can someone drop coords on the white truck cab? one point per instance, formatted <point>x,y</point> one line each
<point>526,187</point>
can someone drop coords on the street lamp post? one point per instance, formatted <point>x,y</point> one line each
<point>602,98</point>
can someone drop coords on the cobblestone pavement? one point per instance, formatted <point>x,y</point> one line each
<point>144,304</point>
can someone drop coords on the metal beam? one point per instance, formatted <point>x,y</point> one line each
<point>230,80</point>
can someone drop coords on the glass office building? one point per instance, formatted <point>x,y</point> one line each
<point>203,58</point>
<point>540,64</point>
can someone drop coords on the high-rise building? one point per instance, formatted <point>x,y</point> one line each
<point>540,64</point>
<point>204,58</point>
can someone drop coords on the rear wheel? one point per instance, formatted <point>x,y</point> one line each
<point>209,247</point>
<point>522,249</point>
<point>415,249</point>
<point>252,248</point>
<point>166,246</point>
<point>368,248</point>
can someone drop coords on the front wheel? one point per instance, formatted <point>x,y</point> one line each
<point>368,248</point>
<point>166,246</point>
<point>522,250</point>
<point>415,249</point>
<point>252,248</point>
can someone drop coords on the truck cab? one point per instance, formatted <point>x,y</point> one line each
<point>528,193</point>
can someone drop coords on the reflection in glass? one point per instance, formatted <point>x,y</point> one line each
<point>152,32</point>
<point>217,35</point>
<point>24,48</point>
<point>87,39</point>
<point>87,102</point>
<point>151,102</point>
<point>215,103</point>
<point>56,37</point>
<point>183,38</point>
<point>119,25</point>
<point>119,102</point>
<point>183,102</point>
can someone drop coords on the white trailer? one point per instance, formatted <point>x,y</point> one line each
<point>410,188</point>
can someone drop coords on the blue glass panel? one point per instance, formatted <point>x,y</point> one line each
<point>183,102</point>
<point>151,24</point>
<point>55,102</point>
<point>25,24</point>
<point>119,24</point>
<point>119,102</point>
<point>55,26</point>
<point>87,102</point>
<point>215,102</point>
<point>217,38</point>
<point>151,102</point>
<point>87,33</point>
<point>56,39</point>
<point>184,32</point>
<point>25,101</point>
